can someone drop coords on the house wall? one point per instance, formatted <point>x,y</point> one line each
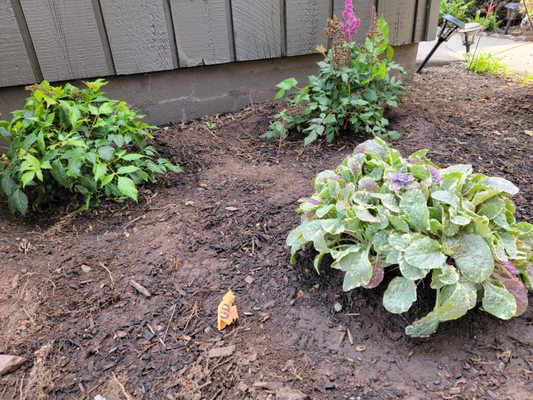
<point>182,59</point>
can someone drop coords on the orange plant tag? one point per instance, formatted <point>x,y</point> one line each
<point>227,311</point>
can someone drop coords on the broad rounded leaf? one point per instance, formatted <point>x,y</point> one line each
<point>517,289</point>
<point>400,295</point>
<point>414,206</point>
<point>498,301</point>
<point>474,258</point>
<point>357,268</point>
<point>501,184</point>
<point>425,254</point>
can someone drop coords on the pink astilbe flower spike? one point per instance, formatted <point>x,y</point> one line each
<point>351,22</point>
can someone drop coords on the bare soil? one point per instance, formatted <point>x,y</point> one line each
<point>67,304</point>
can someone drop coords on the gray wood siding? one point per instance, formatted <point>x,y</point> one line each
<point>203,31</point>
<point>400,16</point>
<point>306,20</point>
<point>15,65</point>
<point>76,39</point>
<point>66,39</point>
<point>138,35</point>
<point>257,29</point>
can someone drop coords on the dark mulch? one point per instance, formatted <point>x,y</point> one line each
<point>88,333</point>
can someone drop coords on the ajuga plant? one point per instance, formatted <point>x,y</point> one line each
<point>380,213</point>
<point>352,90</point>
<point>71,140</point>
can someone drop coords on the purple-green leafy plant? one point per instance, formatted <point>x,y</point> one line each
<point>378,211</point>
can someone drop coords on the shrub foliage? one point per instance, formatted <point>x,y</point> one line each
<point>352,90</point>
<point>78,141</point>
<point>378,210</point>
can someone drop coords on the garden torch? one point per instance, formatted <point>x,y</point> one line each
<point>450,25</point>
<point>468,34</point>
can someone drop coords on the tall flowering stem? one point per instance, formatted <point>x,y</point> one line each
<point>351,22</point>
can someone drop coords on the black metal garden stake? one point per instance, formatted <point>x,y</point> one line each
<point>451,24</point>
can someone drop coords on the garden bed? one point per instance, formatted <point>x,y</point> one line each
<point>66,302</point>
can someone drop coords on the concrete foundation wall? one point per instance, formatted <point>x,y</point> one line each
<point>186,94</point>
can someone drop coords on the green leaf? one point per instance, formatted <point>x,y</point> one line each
<point>128,169</point>
<point>20,201</point>
<point>443,276</point>
<point>106,153</point>
<point>413,205</point>
<point>8,184</point>
<point>127,187</point>
<point>447,197</point>
<point>474,258</point>
<point>501,184</point>
<point>498,301</point>
<point>356,265</point>
<point>27,177</point>
<point>400,295</point>
<point>100,170</point>
<point>287,84</point>
<point>425,253</point>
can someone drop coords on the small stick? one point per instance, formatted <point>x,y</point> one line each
<point>110,276</point>
<point>29,316</point>
<point>140,288</point>
<point>350,337</point>
<point>170,320</point>
<point>128,397</point>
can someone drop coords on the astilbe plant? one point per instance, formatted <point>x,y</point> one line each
<point>352,90</point>
<point>75,141</point>
<point>452,226</point>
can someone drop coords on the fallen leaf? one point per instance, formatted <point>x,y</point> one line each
<point>529,133</point>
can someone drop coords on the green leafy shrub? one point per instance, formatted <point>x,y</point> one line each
<point>352,90</point>
<point>67,139</point>
<point>378,210</point>
<point>485,63</point>
<point>456,8</point>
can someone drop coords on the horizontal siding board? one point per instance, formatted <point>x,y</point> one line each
<point>257,29</point>
<point>399,14</point>
<point>363,10</point>
<point>138,35</point>
<point>66,39</point>
<point>202,31</point>
<point>15,65</point>
<point>306,20</point>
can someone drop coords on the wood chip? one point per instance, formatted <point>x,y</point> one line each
<point>140,288</point>
<point>221,352</point>
<point>10,363</point>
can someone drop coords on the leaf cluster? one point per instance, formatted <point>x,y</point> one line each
<point>352,95</point>
<point>485,63</point>
<point>78,141</point>
<point>378,210</point>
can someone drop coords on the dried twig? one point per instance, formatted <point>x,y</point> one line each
<point>110,276</point>
<point>128,397</point>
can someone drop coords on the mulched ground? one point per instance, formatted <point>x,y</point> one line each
<point>66,302</point>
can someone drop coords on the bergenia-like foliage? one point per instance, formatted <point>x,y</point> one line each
<point>453,226</point>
